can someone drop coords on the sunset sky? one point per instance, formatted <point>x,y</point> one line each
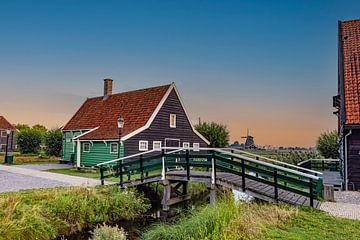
<point>270,66</point>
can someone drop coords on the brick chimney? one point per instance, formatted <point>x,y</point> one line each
<point>107,87</point>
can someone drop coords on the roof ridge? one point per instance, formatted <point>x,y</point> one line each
<point>135,90</point>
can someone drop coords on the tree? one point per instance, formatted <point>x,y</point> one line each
<point>29,140</point>
<point>53,142</point>
<point>328,144</point>
<point>216,133</point>
<point>21,127</point>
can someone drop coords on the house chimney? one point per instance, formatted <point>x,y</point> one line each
<point>107,87</point>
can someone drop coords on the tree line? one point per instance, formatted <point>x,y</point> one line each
<point>37,138</point>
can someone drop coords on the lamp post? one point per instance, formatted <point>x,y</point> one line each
<point>8,131</point>
<point>120,123</point>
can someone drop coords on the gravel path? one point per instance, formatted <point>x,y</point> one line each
<point>42,167</point>
<point>346,205</point>
<point>14,178</point>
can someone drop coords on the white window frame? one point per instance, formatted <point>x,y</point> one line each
<point>117,148</point>
<point>186,143</point>
<point>196,147</point>
<point>143,149</point>
<point>3,134</point>
<point>84,147</point>
<point>157,142</point>
<point>172,124</point>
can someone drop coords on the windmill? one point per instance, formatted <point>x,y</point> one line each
<point>249,142</point>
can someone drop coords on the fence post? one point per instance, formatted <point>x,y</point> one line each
<point>102,175</point>
<point>243,174</point>
<point>213,169</point>
<point>323,165</point>
<point>187,165</point>
<point>311,193</point>
<point>163,164</point>
<point>142,168</point>
<point>120,166</point>
<point>276,185</point>
<point>257,165</point>
<point>232,159</point>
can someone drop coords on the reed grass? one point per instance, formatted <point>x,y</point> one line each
<point>51,213</point>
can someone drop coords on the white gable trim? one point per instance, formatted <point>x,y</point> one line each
<point>79,136</point>
<point>151,119</point>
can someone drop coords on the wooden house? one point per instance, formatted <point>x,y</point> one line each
<point>4,127</point>
<point>153,118</point>
<point>347,101</point>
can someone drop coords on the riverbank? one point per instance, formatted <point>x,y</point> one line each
<point>230,220</point>
<point>52,213</point>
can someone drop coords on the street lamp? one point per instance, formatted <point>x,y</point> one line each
<point>8,131</point>
<point>120,123</point>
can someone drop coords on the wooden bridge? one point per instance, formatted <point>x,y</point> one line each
<point>264,179</point>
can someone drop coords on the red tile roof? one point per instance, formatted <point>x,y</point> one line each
<point>4,124</point>
<point>136,107</point>
<point>350,41</point>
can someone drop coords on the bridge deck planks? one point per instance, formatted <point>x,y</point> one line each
<point>259,189</point>
<point>256,189</point>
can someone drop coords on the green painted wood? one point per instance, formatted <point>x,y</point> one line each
<point>99,152</point>
<point>69,147</point>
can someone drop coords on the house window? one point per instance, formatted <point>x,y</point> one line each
<point>157,145</point>
<point>173,120</point>
<point>186,145</point>
<point>114,148</point>
<point>196,147</point>
<point>86,147</point>
<point>3,134</point>
<point>143,145</point>
<point>3,147</point>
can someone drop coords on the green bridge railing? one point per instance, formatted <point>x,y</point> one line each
<point>140,166</point>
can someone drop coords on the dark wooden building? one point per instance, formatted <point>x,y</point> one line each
<point>347,101</point>
<point>154,118</point>
<point>4,127</point>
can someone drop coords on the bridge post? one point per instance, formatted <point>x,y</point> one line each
<point>187,165</point>
<point>213,194</point>
<point>163,173</point>
<point>102,175</point>
<point>311,192</point>
<point>120,172</point>
<point>243,175</point>
<point>166,195</point>
<point>276,194</point>
<point>213,168</point>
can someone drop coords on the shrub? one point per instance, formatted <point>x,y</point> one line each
<point>53,142</point>
<point>217,134</point>
<point>109,233</point>
<point>328,144</point>
<point>29,140</point>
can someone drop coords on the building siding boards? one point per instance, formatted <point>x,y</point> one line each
<point>160,129</point>
<point>354,160</point>
<point>99,152</point>
<point>11,146</point>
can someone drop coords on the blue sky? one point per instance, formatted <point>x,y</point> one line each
<point>270,66</point>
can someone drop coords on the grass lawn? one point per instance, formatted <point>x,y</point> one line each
<point>229,220</point>
<point>312,224</point>
<point>29,158</point>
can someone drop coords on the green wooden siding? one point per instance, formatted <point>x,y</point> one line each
<point>99,152</point>
<point>68,146</point>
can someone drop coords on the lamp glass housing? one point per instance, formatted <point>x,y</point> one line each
<point>8,131</point>
<point>120,122</point>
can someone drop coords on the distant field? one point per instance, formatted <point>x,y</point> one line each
<point>289,156</point>
<point>29,158</point>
